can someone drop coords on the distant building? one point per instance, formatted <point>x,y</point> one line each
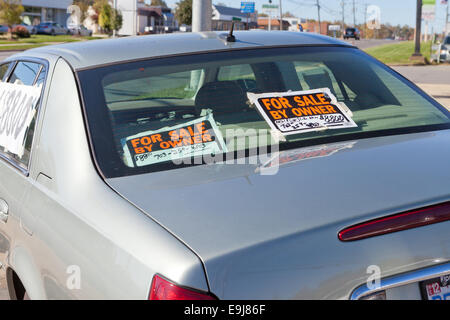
<point>139,17</point>
<point>295,24</point>
<point>313,26</point>
<point>222,17</point>
<point>37,11</point>
<point>263,23</point>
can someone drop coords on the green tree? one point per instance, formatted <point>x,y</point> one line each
<point>183,12</point>
<point>117,20</point>
<point>10,13</point>
<point>160,3</point>
<point>105,17</point>
<point>109,19</point>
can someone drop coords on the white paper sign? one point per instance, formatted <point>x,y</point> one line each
<point>295,112</point>
<point>17,109</point>
<point>194,138</point>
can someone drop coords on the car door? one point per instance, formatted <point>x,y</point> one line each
<point>27,80</point>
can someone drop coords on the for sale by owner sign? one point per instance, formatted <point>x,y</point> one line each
<point>302,111</point>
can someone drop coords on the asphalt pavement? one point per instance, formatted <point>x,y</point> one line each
<point>368,43</point>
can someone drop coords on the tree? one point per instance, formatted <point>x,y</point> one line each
<point>109,19</point>
<point>10,13</point>
<point>105,17</point>
<point>288,15</point>
<point>117,20</point>
<point>84,6</point>
<point>160,3</point>
<point>183,12</point>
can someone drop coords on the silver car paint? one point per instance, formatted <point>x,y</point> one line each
<point>275,236</point>
<point>76,219</point>
<point>87,54</point>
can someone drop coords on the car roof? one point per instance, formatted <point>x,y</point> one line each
<point>88,54</point>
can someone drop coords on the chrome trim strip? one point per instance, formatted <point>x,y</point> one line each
<point>403,279</point>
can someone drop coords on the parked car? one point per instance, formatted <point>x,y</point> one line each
<point>149,168</point>
<point>80,30</point>
<point>445,50</point>
<point>352,33</point>
<point>31,29</point>
<point>51,28</point>
<point>3,29</point>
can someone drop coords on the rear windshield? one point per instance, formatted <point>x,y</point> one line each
<point>143,115</point>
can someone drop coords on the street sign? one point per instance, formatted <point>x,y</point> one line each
<point>428,10</point>
<point>247,7</point>
<point>334,27</point>
<point>269,8</point>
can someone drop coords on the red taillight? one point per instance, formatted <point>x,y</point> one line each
<point>164,290</point>
<point>397,222</point>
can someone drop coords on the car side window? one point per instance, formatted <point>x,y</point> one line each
<point>26,74</point>
<point>4,71</point>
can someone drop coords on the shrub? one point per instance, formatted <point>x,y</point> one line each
<point>21,32</point>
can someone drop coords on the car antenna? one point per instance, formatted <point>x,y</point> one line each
<point>230,37</point>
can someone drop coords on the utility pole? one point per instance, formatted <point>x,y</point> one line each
<point>354,14</point>
<point>446,19</point>
<point>135,13</point>
<point>115,11</point>
<point>417,54</point>
<point>343,17</point>
<point>365,20</point>
<point>318,15</point>
<point>281,17</point>
<point>201,15</point>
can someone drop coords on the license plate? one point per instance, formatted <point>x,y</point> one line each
<point>436,289</point>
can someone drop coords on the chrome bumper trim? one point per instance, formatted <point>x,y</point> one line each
<point>403,279</point>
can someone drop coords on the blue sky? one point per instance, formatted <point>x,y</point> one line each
<point>392,11</point>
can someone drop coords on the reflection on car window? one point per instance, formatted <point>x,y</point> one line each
<point>169,94</point>
<point>236,72</point>
<point>3,70</point>
<point>25,73</point>
<point>141,85</point>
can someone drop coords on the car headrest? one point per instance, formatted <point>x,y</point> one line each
<point>221,97</point>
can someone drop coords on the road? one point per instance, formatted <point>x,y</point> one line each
<point>368,43</point>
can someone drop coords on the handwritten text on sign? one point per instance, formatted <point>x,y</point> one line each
<point>301,111</point>
<point>194,138</point>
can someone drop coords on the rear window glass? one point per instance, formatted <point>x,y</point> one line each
<point>139,111</point>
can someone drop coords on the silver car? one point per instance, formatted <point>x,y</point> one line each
<point>207,166</point>
<point>445,50</point>
<point>80,30</point>
<point>51,28</point>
